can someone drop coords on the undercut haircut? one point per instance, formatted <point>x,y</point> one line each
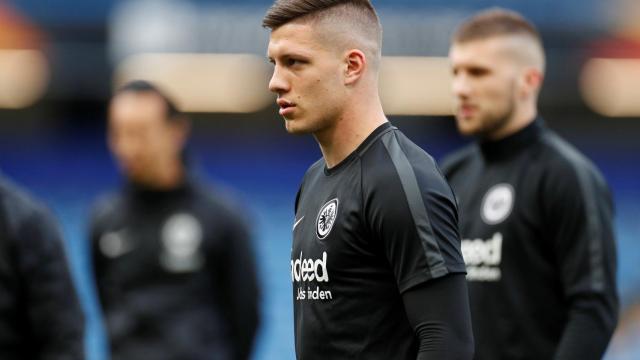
<point>495,22</point>
<point>146,87</point>
<point>359,15</point>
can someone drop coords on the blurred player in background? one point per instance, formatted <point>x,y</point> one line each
<point>173,263</point>
<point>40,316</point>
<point>376,265</point>
<point>535,214</point>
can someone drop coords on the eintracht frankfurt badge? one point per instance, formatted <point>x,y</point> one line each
<point>326,218</point>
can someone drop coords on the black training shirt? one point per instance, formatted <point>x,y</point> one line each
<point>537,238</point>
<point>379,223</point>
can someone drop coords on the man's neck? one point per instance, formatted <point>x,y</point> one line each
<point>169,178</point>
<point>349,131</point>
<point>519,121</point>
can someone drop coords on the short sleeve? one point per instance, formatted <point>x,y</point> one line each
<point>411,211</point>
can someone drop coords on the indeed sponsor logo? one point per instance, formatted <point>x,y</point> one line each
<point>309,269</point>
<point>483,258</point>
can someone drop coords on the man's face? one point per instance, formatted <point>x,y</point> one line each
<point>141,137</point>
<point>485,82</point>
<point>307,77</point>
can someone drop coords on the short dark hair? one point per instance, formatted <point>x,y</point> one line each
<point>495,22</point>
<point>143,86</point>
<point>284,11</point>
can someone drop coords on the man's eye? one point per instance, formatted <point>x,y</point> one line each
<point>478,72</point>
<point>292,62</point>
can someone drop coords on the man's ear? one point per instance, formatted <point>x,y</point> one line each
<point>356,64</point>
<point>182,129</point>
<point>532,81</point>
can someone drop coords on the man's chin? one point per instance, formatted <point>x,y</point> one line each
<point>465,129</point>
<point>138,178</point>
<point>294,128</point>
<point>136,175</point>
<point>468,131</point>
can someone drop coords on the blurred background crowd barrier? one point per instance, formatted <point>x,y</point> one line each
<point>60,60</point>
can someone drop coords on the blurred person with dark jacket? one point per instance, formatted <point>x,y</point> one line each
<point>173,264</point>
<point>535,214</point>
<point>40,315</point>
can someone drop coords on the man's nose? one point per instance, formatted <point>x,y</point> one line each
<point>278,84</point>
<point>461,85</point>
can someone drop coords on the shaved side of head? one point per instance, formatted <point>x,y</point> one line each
<point>524,50</point>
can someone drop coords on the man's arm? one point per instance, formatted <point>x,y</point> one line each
<point>54,312</point>
<point>97,259</point>
<point>580,212</point>
<point>413,215</point>
<point>438,311</point>
<point>241,291</point>
<point>587,334</point>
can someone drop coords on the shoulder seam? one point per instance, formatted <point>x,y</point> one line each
<point>417,207</point>
<point>375,139</point>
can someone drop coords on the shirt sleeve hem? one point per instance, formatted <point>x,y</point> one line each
<point>425,276</point>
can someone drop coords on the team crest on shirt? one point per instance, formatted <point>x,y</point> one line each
<point>497,204</point>
<point>181,240</point>
<point>326,218</point>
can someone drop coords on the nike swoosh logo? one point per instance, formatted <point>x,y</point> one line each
<point>297,222</point>
<point>115,244</point>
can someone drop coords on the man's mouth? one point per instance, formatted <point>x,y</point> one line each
<point>286,107</point>
<point>467,110</point>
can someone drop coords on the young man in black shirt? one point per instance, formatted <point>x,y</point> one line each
<point>376,266</point>
<point>173,263</point>
<point>40,315</point>
<point>535,214</point>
